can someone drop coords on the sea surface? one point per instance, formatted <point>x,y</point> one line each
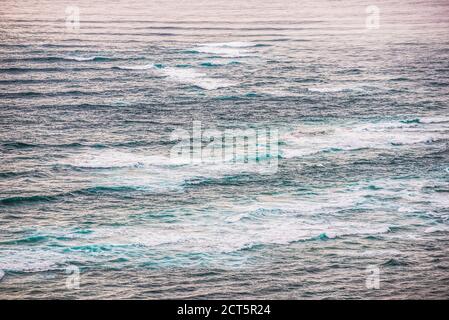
<point>356,208</point>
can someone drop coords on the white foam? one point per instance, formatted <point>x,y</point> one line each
<point>141,67</point>
<point>225,52</point>
<point>108,159</point>
<point>193,77</point>
<point>233,44</point>
<point>81,59</point>
<point>153,172</point>
<point>308,139</point>
<point>30,260</point>
<point>434,120</point>
<point>211,237</point>
<point>335,89</point>
<point>441,228</point>
<point>226,49</point>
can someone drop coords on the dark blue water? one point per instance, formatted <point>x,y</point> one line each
<point>361,176</point>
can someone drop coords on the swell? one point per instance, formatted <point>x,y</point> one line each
<point>56,59</point>
<point>97,190</point>
<point>14,174</point>
<point>10,145</point>
<point>52,69</point>
<point>34,94</point>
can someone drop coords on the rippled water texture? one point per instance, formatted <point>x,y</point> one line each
<point>363,167</point>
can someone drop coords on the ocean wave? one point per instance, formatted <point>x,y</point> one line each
<point>339,88</point>
<point>309,140</point>
<point>62,58</point>
<point>437,229</point>
<point>26,145</point>
<point>117,242</point>
<point>25,199</point>
<point>232,44</point>
<point>195,78</point>
<point>138,67</point>
<point>188,238</point>
<point>226,49</point>
<point>27,240</point>
<point>394,263</point>
<point>31,260</point>
<point>17,145</point>
<point>48,69</point>
<point>14,174</point>
<point>112,159</point>
<point>210,64</point>
<point>434,120</point>
<point>83,59</point>
<point>97,189</point>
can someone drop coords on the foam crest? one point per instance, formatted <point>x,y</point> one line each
<point>195,78</point>
<point>82,59</point>
<point>351,136</point>
<point>30,260</point>
<point>141,67</point>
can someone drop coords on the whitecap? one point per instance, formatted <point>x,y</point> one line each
<point>225,52</point>
<point>309,140</point>
<point>30,260</point>
<point>336,89</point>
<point>232,44</point>
<point>226,49</point>
<point>138,67</point>
<point>81,59</point>
<point>193,77</point>
<point>434,120</point>
<point>203,236</point>
<point>436,229</point>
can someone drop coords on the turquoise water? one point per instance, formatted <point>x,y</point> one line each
<point>362,168</point>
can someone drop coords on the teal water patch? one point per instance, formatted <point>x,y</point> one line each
<point>394,263</point>
<point>332,149</point>
<point>371,237</point>
<point>190,51</point>
<point>183,65</point>
<point>323,237</point>
<point>251,95</point>
<point>210,64</point>
<point>27,240</point>
<point>48,198</point>
<point>83,231</point>
<point>159,65</point>
<point>373,187</point>
<point>107,189</point>
<point>17,145</point>
<point>94,248</point>
<point>228,98</point>
<point>411,121</point>
<point>30,199</point>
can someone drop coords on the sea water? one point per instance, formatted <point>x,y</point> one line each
<point>91,93</point>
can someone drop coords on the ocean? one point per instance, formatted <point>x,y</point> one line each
<point>96,97</point>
